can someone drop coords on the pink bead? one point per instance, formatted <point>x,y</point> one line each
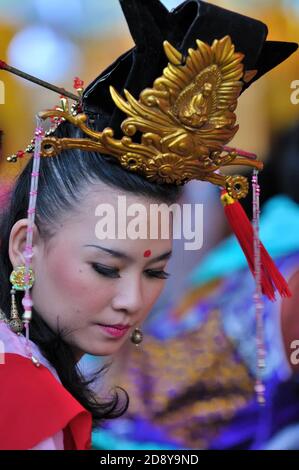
<point>261,363</point>
<point>27,302</point>
<point>259,388</point>
<point>39,132</point>
<point>27,316</point>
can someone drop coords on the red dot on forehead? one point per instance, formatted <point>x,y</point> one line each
<point>147,253</point>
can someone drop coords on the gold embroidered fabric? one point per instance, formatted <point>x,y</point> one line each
<point>192,385</point>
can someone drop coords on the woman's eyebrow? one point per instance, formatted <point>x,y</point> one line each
<point>162,257</point>
<point>115,253</point>
<point>124,256</point>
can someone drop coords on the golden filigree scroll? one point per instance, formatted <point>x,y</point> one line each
<point>184,121</point>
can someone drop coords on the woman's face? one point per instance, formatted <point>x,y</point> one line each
<point>97,291</point>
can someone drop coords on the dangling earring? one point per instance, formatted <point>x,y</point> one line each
<point>17,279</point>
<point>137,336</point>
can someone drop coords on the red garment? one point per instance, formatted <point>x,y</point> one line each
<point>35,406</point>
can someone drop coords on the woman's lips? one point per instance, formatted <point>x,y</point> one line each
<point>115,330</point>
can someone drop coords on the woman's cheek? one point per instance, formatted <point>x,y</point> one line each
<point>69,276</point>
<point>93,292</point>
<point>152,293</point>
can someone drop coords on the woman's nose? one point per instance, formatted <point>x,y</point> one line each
<point>129,295</point>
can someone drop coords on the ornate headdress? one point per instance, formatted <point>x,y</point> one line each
<point>166,108</point>
<point>184,121</point>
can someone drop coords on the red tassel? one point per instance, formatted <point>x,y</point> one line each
<point>3,65</point>
<point>271,278</point>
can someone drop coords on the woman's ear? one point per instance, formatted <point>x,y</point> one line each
<point>17,242</point>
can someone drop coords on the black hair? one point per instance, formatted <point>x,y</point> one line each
<point>62,182</point>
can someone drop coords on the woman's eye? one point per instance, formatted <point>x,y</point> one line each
<point>106,270</point>
<point>160,274</point>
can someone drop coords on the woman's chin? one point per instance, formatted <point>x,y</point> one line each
<point>103,348</point>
